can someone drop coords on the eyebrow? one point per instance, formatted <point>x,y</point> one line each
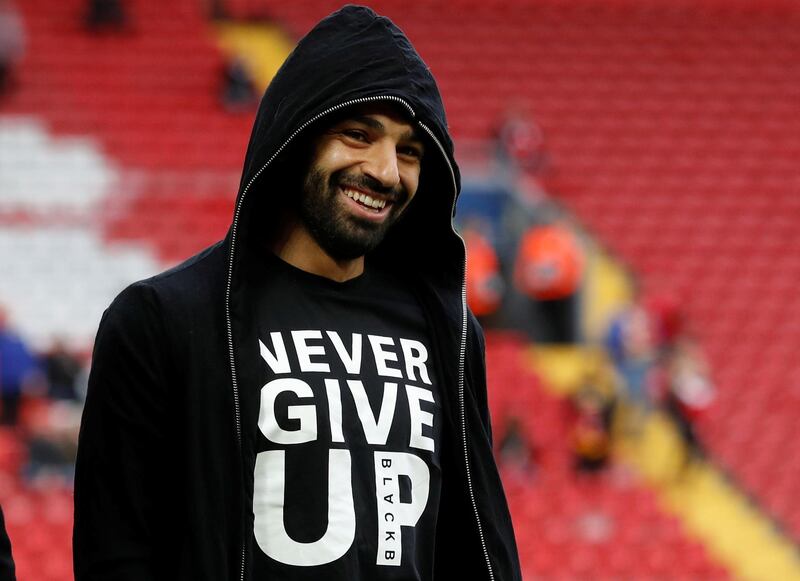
<point>372,123</point>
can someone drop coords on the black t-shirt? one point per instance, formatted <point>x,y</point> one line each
<point>347,475</point>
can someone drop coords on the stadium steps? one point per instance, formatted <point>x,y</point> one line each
<point>711,508</point>
<point>734,529</point>
<point>570,527</point>
<point>262,47</point>
<point>730,525</point>
<point>606,289</point>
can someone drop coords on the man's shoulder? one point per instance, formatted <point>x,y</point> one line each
<point>207,265</point>
<point>199,279</point>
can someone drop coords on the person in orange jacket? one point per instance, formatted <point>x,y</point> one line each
<point>549,270</point>
<point>484,282</point>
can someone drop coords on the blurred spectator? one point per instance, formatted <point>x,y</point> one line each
<point>591,430</point>
<point>17,369</point>
<point>668,319</point>
<point>217,9</point>
<point>485,284</point>
<point>102,15</point>
<point>62,370</point>
<point>631,341</point>
<point>549,270</point>
<point>12,44</point>
<point>6,560</point>
<point>516,455</point>
<point>687,390</point>
<point>550,262</point>
<point>520,141</point>
<point>238,88</point>
<point>52,430</point>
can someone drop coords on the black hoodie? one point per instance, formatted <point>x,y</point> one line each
<point>6,560</point>
<point>164,480</point>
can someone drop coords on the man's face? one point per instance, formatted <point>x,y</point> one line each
<point>363,173</point>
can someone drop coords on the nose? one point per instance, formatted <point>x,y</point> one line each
<point>381,164</point>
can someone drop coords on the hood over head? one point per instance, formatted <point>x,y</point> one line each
<point>351,58</point>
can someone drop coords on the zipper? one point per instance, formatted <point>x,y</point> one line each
<point>461,357</point>
<point>234,227</point>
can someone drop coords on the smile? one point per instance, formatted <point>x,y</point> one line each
<point>364,200</point>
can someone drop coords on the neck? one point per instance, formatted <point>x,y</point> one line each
<point>296,246</point>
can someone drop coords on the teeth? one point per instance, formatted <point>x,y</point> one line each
<point>366,200</point>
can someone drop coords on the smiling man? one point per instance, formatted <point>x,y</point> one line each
<point>364,171</point>
<point>306,399</point>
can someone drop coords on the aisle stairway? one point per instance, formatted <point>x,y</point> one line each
<point>603,528</point>
<point>711,506</point>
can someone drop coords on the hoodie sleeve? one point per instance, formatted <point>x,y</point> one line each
<point>6,561</point>
<point>122,443</point>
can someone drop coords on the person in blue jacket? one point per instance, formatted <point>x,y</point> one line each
<point>18,366</point>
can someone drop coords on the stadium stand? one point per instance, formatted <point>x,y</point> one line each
<point>674,135</point>
<point>149,97</point>
<point>64,176</point>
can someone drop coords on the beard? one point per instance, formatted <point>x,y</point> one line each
<point>342,235</point>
